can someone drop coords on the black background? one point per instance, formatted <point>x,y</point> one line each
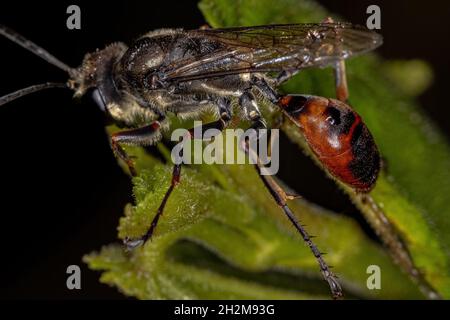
<point>62,192</point>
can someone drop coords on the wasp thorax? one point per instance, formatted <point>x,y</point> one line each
<point>141,61</point>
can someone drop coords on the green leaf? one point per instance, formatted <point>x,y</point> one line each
<point>412,192</point>
<point>216,243</point>
<point>413,77</point>
<point>222,236</point>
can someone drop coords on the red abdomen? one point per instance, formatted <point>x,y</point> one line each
<point>338,137</point>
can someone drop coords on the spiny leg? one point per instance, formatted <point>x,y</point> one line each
<point>252,113</point>
<point>142,136</point>
<point>133,243</point>
<point>280,196</point>
<point>225,117</point>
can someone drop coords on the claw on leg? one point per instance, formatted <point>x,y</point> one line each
<point>132,243</point>
<point>280,196</point>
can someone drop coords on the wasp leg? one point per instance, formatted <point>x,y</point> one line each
<point>221,124</point>
<point>259,123</point>
<point>266,90</point>
<point>133,243</point>
<point>285,75</point>
<point>340,78</point>
<point>249,106</point>
<point>280,196</point>
<point>143,136</point>
<point>251,110</point>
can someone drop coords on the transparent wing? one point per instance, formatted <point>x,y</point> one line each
<point>273,48</point>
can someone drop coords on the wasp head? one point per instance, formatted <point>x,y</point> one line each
<point>97,73</point>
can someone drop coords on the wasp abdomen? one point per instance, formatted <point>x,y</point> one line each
<point>337,136</point>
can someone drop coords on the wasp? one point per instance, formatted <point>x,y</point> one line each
<point>186,72</point>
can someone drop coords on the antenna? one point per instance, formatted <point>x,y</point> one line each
<point>34,48</point>
<point>31,89</point>
<point>40,52</point>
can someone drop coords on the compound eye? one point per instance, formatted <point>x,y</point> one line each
<point>99,100</point>
<point>333,116</point>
